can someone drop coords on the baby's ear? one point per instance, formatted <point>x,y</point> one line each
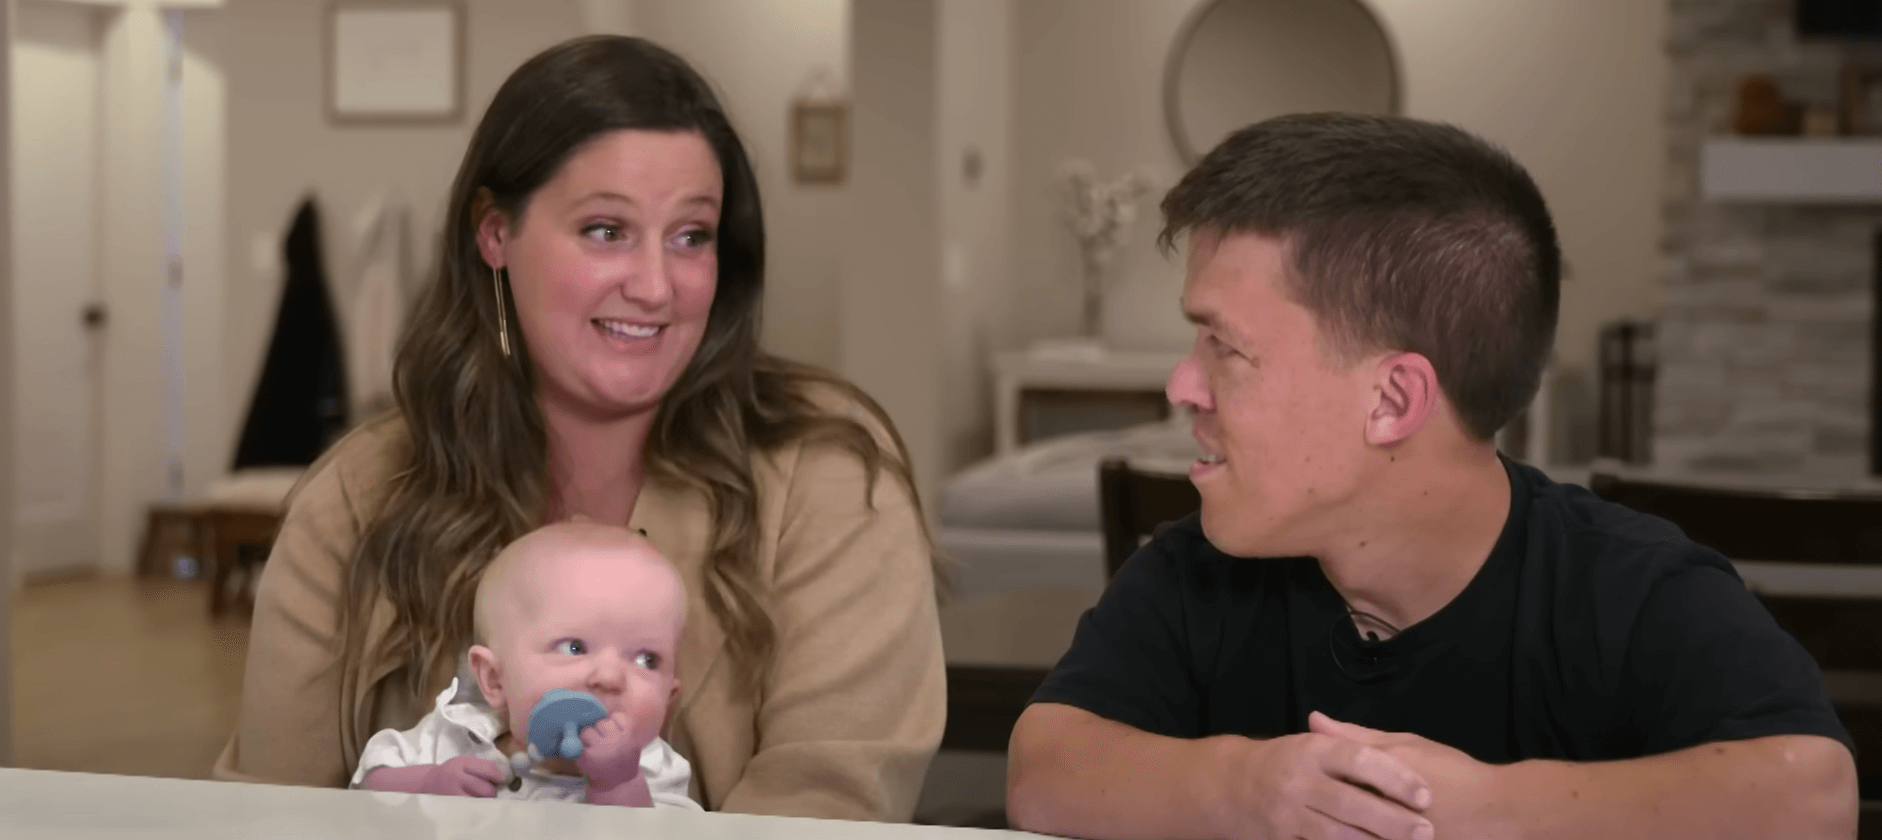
<point>483,663</point>
<point>673,705</point>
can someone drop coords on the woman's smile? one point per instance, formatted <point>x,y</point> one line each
<point>634,337</point>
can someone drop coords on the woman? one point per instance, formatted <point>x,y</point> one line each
<point>590,348</point>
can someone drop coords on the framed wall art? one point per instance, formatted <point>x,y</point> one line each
<point>819,141</point>
<point>395,61</point>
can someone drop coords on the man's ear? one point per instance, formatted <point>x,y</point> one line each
<point>1405,394</point>
<point>483,662</point>
<point>493,228</point>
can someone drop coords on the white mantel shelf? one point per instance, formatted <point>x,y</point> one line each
<point>1828,170</point>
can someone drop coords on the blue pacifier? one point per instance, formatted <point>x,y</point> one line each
<point>558,719</point>
<point>555,726</point>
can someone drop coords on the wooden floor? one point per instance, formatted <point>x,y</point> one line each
<point>113,675</point>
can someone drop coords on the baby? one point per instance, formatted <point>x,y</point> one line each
<point>578,606</point>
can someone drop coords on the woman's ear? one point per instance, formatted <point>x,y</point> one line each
<point>493,228</point>
<point>483,662</point>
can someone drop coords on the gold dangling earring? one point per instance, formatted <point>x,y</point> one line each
<point>503,318</point>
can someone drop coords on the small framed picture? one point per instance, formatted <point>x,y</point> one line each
<point>819,142</point>
<point>1862,99</point>
<point>395,61</point>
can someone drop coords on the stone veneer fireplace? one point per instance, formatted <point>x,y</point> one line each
<point>1767,341</point>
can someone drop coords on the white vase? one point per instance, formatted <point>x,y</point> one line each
<point>1093,325</point>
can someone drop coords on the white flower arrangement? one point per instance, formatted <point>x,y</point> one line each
<point>1098,213</point>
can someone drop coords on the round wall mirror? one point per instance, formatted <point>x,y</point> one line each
<point>1237,62</point>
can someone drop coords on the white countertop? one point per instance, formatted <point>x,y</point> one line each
<point>47,805</point>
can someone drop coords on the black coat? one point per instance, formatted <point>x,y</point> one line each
<point>299,405</point>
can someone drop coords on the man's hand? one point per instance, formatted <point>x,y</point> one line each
<point>1319,786</point>
<point>465,775</point>
<point>611,761</point>
<point>1461,786</point>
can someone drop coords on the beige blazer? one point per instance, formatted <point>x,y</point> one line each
<point>844,727</point>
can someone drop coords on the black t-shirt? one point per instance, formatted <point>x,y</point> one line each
<point>1591,633</point>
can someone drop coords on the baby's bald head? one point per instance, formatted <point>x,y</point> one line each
<point>531,574</point>
<point>584,607</point>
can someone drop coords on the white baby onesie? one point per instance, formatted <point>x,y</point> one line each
<point>462,726</point>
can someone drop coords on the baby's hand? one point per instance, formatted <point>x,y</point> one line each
<point>466,775</point>
<point>609,754</point>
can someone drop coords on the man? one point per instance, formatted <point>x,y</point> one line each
<point>1450,645</point>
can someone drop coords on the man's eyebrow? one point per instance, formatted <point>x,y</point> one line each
<point>1207,320</point>
<point>1195,316</point>
<point>1213,321</point>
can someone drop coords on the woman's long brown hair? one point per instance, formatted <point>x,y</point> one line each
<point>475,473</point>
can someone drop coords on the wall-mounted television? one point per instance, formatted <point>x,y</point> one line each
<point>1849,19</point>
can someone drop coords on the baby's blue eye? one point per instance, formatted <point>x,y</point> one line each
<point>571,647</point>
<point>649,660</point>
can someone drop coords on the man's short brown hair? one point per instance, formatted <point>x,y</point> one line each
<point>1402,235</point>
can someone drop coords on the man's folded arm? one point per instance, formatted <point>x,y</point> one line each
<point>1073,773</point>
<point>1791,786</point>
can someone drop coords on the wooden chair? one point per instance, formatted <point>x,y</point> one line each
<point>984,702</point>
<point>1843,631</point>
<point>172,531</point>
<point>1134,503</point>
<point>240,514</point>
<point>242,538</point>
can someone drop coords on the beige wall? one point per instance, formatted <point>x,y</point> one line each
<point>759,55</point>
<point>977,305</point>
<point>281,147</point>
<point>1089,85</point>
<point>207,442</point>
<point>6,399</point>
<point>890,335</point>
<point>1574,89</point>
<point>1571,87</point>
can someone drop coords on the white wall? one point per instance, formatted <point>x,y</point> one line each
<point>6,397</point>
<point>759,55</point>
<point>130,240</point>
<point>55,120</point>
<point>281,147</point>
<point>1571,87</point>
